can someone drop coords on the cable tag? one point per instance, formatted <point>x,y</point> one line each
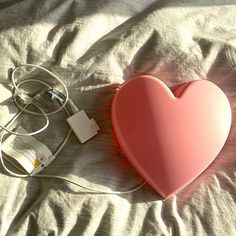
<point>26,153</point>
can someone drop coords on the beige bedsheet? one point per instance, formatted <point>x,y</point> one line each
<point>94,46</point>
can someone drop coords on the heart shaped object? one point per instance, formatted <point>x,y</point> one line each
<point>170,137</point>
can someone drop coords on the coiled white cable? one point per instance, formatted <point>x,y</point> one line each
<point>50,73</point>
<point>43,113</point>
<point>24,109</point>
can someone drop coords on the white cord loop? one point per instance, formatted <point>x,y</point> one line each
<point>31,80</point>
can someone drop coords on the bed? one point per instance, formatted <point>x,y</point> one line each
<point>94,46</point>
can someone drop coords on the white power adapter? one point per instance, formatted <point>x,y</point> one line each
<point>83,127</point>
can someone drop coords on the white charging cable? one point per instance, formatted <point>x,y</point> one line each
<point>50,73</point>
<point>29,100</point>
<point>43,113</point>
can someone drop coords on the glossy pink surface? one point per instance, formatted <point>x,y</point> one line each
<point>170,138</point>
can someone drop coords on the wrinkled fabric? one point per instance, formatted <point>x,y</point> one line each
<point>94,46</point>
